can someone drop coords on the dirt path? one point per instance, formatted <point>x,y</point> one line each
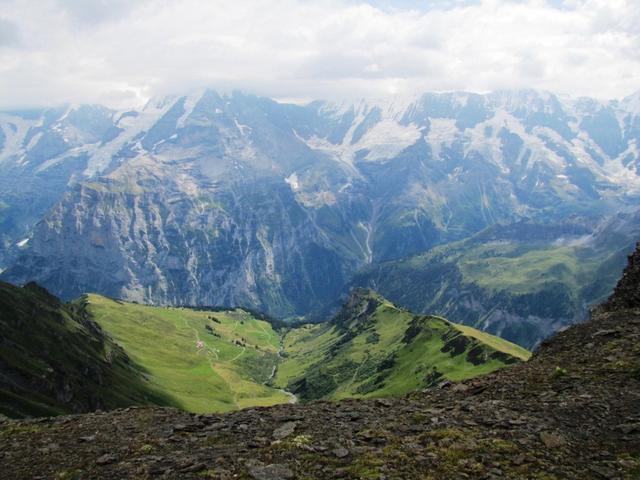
<point>211,352</point>
<point>355,374</point>
<point>244,349</point>
<point>269,335</point>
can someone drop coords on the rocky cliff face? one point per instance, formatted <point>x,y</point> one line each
<point>242,245</point>
<point>215,199</point>
<point>42,153</point>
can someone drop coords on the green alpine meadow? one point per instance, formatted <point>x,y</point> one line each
<point>97,352</point>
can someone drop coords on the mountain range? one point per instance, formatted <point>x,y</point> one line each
<point>209,199</point>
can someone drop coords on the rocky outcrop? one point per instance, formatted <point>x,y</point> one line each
<point>627,292</point>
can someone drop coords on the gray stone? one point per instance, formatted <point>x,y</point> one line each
<point>552,439</point>
<point>284,430</point>
<point>340,452</point>
<point>106,459</point>
<point>274,471</point>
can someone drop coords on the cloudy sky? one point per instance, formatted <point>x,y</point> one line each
<point>121,52</point>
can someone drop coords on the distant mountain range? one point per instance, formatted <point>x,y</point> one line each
<point>209,199</point>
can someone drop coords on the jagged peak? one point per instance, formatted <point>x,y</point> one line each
<point>361,304</point>
<point>627,292</point>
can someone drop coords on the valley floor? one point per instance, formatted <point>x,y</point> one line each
<point>572,411</point>
<point>205,361</point>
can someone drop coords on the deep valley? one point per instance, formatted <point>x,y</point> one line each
<point>219,360</point>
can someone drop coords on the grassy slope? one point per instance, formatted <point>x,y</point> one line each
<point>53,360</point>
<point>355,368</point>
<point>494,342</point>
<point>522,267</point>
<point>220,376</point>
<point>223,376</point>
<point>528,268</point>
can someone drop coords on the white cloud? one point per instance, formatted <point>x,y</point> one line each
<point>120,52</point>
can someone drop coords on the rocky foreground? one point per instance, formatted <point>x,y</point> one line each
<point>572,411</point>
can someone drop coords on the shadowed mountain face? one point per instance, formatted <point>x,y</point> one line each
<point>209,199</point>
<point>570,412</point>
<point>55,359</point>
